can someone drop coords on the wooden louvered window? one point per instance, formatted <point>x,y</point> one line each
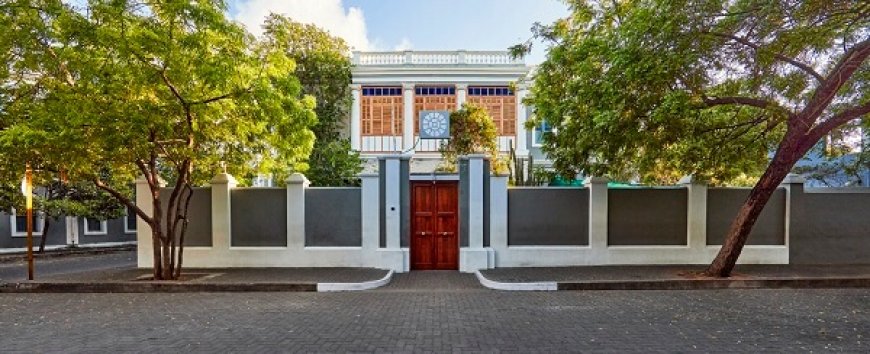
<point>501,103</point>
<point>434,98</point>
<point>381,109</point>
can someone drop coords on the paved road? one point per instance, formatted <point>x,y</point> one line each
<point>440,312</point>
<point>59,266</point>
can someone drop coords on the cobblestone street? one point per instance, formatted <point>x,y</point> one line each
<point>415,313</point>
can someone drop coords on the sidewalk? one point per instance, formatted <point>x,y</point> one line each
<point>674,277</point>
<point>130,280</point>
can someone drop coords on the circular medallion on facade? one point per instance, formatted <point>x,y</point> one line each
<point>434,124</point>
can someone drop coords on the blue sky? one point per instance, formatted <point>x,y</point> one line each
<point>414,24</point>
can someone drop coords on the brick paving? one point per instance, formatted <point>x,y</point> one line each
<point>440,312</point>
<point>668,272</point>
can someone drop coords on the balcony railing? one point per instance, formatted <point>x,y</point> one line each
<point>435,58</point>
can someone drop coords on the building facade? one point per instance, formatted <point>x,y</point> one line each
<point>390,89</point>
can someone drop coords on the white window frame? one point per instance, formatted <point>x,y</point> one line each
<point>104,228</point>
<point>37,227</point>
<point>535,142</point>
<point>127,229</point>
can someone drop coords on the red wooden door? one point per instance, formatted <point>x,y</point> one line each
<point>434,225</point>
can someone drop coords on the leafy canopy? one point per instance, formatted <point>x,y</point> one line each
<point>324,71</point>
<point>472,131</point>
<point>658,89</point>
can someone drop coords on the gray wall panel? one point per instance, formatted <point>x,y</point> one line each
<point>548,216</point>
<point>722,207</point>
<point>259,217</point>
<point>830,228</point>
<point>647,216</point>
<point>199,228</point>
<point>333,217</point>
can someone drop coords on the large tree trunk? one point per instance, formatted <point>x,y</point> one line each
<point>782,163</point>
<point>44,236</point>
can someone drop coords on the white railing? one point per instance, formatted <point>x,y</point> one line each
<point>381,144</point>
<point>436,58</point>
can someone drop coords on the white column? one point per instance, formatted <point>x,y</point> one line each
<point>221,210</point>
<point>355,118</point>
<point>461,95</point>
<point>697,215</point>
<point>371,228</point>
<point>475,257</point>
<point>408,131</point>
<point>793,184</point>
<point>522,149</point>
<point>144,239</point>
<point>597,213</point>
<point>498,215</point>
<point>392,202</point>
<point>296,185</point>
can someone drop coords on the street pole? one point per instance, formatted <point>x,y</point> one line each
<point>28,195</point>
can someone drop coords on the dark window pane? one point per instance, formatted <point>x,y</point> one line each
<point>94,225</point>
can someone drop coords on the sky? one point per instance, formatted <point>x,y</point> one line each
<point>384,25</point>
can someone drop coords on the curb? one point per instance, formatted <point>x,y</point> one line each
<point>366,285</point>
<point>681,284</point>
<point>529,286</point>
<point>188,287</point>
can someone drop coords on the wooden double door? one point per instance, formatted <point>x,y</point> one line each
<point>435,225</point>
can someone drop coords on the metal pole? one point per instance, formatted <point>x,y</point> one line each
<point>28,195</point>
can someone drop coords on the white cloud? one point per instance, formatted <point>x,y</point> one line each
<point>330,15</point>
<point>405,44</point>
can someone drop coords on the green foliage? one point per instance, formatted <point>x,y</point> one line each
<point>166,89</point>
<point>639,89</point>
<point>324,70</point>
<point>472,131</point>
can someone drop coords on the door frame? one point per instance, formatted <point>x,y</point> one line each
<point>432,182</point>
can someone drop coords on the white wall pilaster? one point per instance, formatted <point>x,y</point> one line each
<point>72,230</point>
<point>597,212</point>
<point>461,95</point>
<point>144,239</point>
<point>221,209</point>
<point>370,196</point>
<point>696,231</point>
<point>475,256</point>
<point>355,117</point>
<point>408,116</point>
<point>792,183</point>
<point>296,185</point>
<point>522,148</point>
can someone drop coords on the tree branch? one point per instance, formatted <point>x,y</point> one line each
<point>123,199</point>
<point>842,72</point>
<point>744,101</point>
<point>806,68</point>
<point>837,120</point>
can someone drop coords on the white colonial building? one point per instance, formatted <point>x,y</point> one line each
<point>390,89</point>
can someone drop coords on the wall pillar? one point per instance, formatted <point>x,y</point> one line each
<point>355,118</point>
<point>696,231</point>
<point>498,219</point>
<point>144,239</point>
<point>475,256</point>
<point>408,116</point>
<point>522,136</point>
<point>597,212</point>
<point>392,256</point>
<point>461,95</point>
<point>296,185</point>
<point>221,228</point>
<point>371,226</point>
<point>793,184</point>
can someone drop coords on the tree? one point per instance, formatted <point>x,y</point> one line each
<point>664,88</point>
<point>472,131</point>
<point>167,90</point>
<point>323,69</point>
